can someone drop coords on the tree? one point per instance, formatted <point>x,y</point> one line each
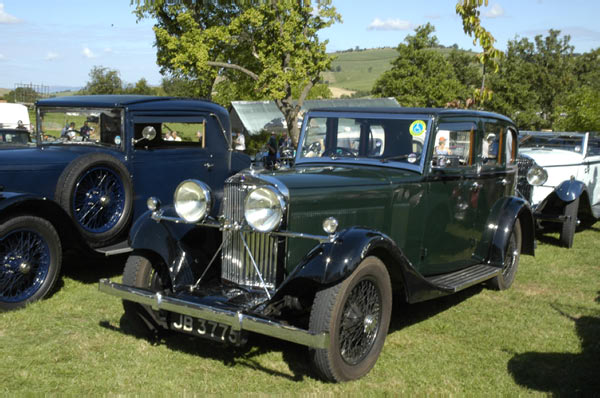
<point>141,87</point>
<point>272,46</point>
<point>580,111</point>
<point>103,81</point>
<point>534,80</point>
<point>468,10</point>
<point>420,75</point>
<point>22,94</point>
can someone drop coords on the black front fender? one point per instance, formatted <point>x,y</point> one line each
<point>500,226</point>
<point>570,190</point>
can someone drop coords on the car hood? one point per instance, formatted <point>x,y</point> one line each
<point>331,177</point>
<point>40,157</point>
<point>553,157</point>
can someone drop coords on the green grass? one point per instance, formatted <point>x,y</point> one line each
<point>541,336</point>
<point>359,69</point>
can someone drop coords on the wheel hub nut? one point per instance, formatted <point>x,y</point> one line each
<point>104,201</point>
<point>369,324</point>
<point>24,267</point>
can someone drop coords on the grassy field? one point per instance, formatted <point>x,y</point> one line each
<point>541,336</point>
<point>358,70</point>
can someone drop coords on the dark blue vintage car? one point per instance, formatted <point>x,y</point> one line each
<point>86,180</point>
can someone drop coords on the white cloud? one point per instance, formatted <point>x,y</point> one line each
<point>389,24</point>
<point>108,50</point>
<point>86,52</point>
<point>1,57</point>
<point>51,56</point>
<point>6,18</point>
<point>495,12</point>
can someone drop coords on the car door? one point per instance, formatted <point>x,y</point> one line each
<point>198,150</point>
<point>451,234</point>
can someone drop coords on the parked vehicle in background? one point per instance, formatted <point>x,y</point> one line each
<point>559,176</point>
<point>86,180</point>
<point>312,254</point>
<point>14,137</point>
<point>13,116</point>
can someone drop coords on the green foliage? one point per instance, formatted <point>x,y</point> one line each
<point>22,94</point>
<point>103,81</point>
<point>534,78</point>
<point>275,44</point>
<point>177,86</point>
<point>420,76</point>
<point>141,87</point>
<point>580,111</point>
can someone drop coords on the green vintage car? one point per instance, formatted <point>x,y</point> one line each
<point>414,202</point>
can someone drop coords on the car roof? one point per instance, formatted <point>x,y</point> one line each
<point>552,133</point>
<point>402,110</point>
<point>134,102</point>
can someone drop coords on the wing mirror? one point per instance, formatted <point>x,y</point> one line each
<point>148,133</point>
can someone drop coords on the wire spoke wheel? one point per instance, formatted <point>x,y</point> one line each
<point>30,257</point>
<point>98,200</point>
<point>360,322</point>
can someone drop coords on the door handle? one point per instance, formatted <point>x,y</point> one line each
<point>475,186</point>
<point>209,165</point>
<point>503,182</point>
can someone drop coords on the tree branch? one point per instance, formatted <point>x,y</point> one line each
<point>233,66</point>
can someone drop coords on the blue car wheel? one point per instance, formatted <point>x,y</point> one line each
<point>30,260</point>
<point>96,191</point>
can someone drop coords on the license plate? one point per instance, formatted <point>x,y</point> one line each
<point>203,328</point>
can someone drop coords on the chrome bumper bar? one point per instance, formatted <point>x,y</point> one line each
<point>236,320</point>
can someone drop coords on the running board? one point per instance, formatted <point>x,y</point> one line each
<point>119,248</point>
<point>464,278</point>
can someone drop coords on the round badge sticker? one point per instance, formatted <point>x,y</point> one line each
<point>417,127</point>
<point>118,140</point>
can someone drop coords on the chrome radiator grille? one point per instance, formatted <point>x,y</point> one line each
<point>236,264</point>
<point>523,186</point>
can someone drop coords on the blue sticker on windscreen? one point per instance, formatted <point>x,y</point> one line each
<point>418,127</point>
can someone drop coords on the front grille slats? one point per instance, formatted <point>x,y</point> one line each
<point>237,265</point>
<point>524,164</point>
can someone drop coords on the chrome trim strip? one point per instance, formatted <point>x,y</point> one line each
<point>237,320</point>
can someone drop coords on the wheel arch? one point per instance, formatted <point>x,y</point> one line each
<point>500,225</point>
<point>29,204</point>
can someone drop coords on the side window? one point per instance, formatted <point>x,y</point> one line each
<point>593,147</point>
<point>511,146</point>
<point>454,144</point>
<point>493,145</point>
<point>173,134</point>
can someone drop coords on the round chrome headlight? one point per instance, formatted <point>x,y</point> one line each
<point>192,200</point>
<point>264,209</point>
<point>537,175</point>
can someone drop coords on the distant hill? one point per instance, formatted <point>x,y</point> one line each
<point>358,70</point>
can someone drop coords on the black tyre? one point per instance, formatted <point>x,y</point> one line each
<point>30,260</point>
<point>356,313</point>
<point>511,260</point>
<point>96,191</point>
<point>567,232</point>
<point>139,272</point>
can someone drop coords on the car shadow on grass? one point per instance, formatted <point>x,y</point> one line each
<point>294,355</point>
<point>561,373</point>
<point>87,269</point>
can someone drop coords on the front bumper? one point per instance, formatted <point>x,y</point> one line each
<point>236,320</point>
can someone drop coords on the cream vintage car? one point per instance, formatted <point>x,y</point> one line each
<point>559,176</point>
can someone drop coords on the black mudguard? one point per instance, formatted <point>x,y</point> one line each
<point>570,190</point>
<point>12,203</point>
<point>330,263</point>
<point>501,221</point>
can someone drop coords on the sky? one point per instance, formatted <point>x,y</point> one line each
<point>58,42</point>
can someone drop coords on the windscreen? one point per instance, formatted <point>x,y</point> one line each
<point>397,139</point>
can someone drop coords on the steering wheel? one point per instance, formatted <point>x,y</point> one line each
<point>312,150</point>
<point>338,151</point>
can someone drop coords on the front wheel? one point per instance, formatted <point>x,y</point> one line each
<point>139,272</point>
<point>511,260</point>
<point>356,312</point>
<point>567,232</point>
<point>30,260</point>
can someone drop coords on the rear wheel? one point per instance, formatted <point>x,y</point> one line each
<point>511,260</point>
<point>567,232</point>
<point>356,312</point>
<point>139,272</point>
<point>30,260</point>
